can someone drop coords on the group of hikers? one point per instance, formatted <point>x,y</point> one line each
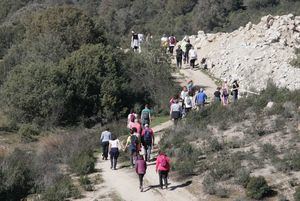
<point>193,97</point>
<point>139,145</point>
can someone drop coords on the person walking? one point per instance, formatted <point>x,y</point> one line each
<point>200,99</point>
<point>188,103</point>
<point>193,57</point>
<point>148,141</point>
<point>235,90</point>
<point>188,46</point>
<point>190,85</point>
<point>164,42</point>
<point>172,43</point>
<point>136,124</point>
<point>217,95</point>
<point>176,111</point>
<point>183,47</point>
<point>104,139</point>
<point>131,118</point>
<point>146,115</point>
<point>163,168</point>
<point>132,145</point>
<point>140,169</point>
<point>114,147</point>
<point>225,93</point>
<point>179,54</point>
<point>134,41</point>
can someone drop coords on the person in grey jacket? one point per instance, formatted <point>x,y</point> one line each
<point>104,139</point>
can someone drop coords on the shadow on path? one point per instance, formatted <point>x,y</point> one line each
<point>172,188</point>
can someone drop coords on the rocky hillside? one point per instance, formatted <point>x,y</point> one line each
<point>254,53</point>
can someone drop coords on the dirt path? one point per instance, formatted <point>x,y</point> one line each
<point>124,181</point>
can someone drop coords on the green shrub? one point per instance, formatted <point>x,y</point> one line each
<point>28,132</point>
<point>16,176</point>
<point>83,163</point>
<point>61,190</point>
<point>86,183</point>
<point>257,187</point>
<point>209,184</point>
<point>297,194</point>
<point>242,177</point>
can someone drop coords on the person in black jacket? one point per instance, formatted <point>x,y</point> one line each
<point>179,54</point>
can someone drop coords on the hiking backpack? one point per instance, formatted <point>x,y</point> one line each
<point>148,137</point>
<point>145,115</point>
<point>172,40</point>
<point>188,100</point>
<point>225,92</point>
<point>133,143</point>
<point>164,162</point>
<point>132,117</point>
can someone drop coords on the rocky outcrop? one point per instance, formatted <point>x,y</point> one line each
<point>254,53</point>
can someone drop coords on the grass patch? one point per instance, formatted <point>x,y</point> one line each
<point>159,120</point>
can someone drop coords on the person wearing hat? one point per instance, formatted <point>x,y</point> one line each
<point>148,141</point>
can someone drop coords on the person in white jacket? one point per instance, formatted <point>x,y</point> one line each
<point>193,57</point>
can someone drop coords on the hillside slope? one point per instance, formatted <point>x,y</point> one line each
<point>254,53</point>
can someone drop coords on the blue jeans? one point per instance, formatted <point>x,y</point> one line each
<point>148,149</point>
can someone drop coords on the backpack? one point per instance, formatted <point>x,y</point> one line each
<point>225,92</point>
<point>188,101</point>
<point>145,115</point>
<point>132,117</point>
<point>133,143</point>
<point>172,40</point>
<point>148,137</point>
<point>164,162</point>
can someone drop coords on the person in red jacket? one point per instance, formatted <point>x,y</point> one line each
<point>140,168</point>
<point>163,168</point>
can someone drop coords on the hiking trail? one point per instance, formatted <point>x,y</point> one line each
<point>123,184</point>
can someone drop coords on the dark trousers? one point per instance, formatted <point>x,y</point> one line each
<point>114,154</point>
<point>171,49</point>
<point>235,95</point>
<point>192,63</point>
<point>141,178</point>
<point>105,149</point>
<point>163,178</point>
<point>179,62</point>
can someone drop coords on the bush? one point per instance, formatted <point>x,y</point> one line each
<point>28,132</point>
<point>86,183</point>
<point>83,164</point>
<point>209,184</point>
<point>257,187</point>
<point>297,194</point>
<point>16,176</point>
<point>242,177</point>
<point>61,190</point>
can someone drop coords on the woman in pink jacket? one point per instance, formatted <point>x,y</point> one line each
<point>163,168</point>
<point>140,168</point>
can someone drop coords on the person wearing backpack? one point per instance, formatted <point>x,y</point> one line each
<point>114,147</point>
<point>140,169</point>
<point>217,95</point>
<point>188,102</point>
<point>132,145</point>
<point>104,139</point>
<point>172,43</point>
<point>200,99</point>
<point>148,141</point>
<point>163,168</point>
<point>176,111</point>
<point>146,115</point>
